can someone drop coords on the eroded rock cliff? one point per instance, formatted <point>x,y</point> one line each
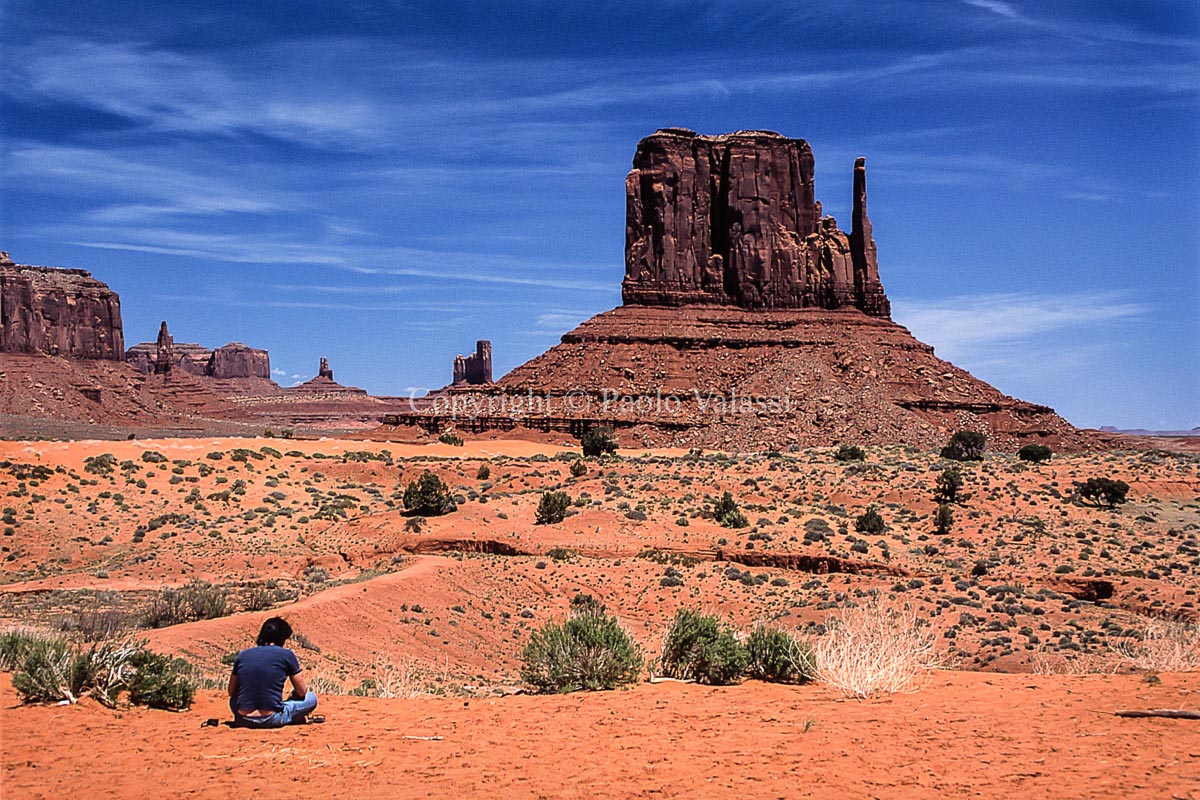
<point>750,321</point>
<point>733,220</point>
<point>60,312</point>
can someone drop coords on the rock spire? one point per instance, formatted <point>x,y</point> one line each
<point>475,368</point>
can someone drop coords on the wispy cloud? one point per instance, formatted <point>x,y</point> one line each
<point>560,320</point>
<point>1081,29</point>
<point>969,329</point>
<point>441,266</point>
<point>151,183</point>
<point>172,92</point>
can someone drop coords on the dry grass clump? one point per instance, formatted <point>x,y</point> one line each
<point>1165,646</point>
<point>870,649</point>
<point>405,679</point>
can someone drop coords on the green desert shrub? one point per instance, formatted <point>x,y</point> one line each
<point>598,442</point>
<point>53,669</point>
<point>727,513</point>
<point>1103,492</point>
<point>153,457</point>
<point>428,496</point>
<point>578,469</point>
<point>849,452</point>
<point>451,439</point>
<point>590,651</point>
<point>702,648</point>
<point>552,508</point>
<point>196,601</point>
<point>943,519</point>
<point>777,656</point>
<point>160,681</point>
<point>1037,453</point>
<point>102,464</point>
<point>870,522</point>
<point>14,644</point>
<point>965,446</point>
<point>949,484</point>
<point>484,472</point>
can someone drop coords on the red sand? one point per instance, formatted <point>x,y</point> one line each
<point>964,735</point>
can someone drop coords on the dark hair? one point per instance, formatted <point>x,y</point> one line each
<point>274,631</point>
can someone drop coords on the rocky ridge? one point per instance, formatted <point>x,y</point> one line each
<point>731,378</point>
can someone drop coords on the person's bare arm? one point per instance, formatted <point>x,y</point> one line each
<point>299,686</point>
<point>233,686</point>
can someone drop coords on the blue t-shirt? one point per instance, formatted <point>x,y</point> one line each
<point>261,672</point>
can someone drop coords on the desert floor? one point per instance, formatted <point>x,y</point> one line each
<point>1033,597</point>
<point>963,735</point>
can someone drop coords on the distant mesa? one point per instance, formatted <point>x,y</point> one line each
<point>63,356</point>
<point>231,361</point>
<point>476,368</point>
<point>749,321</point>
<point>58,312</point>
<point>62,359</point>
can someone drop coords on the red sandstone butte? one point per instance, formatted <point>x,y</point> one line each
<point>749,321</point>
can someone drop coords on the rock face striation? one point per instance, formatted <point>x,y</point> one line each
<point>476,368</point>
<point>733,220</point>
<point>58,312</point>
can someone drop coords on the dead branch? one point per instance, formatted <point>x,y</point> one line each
<point>1158,712</point>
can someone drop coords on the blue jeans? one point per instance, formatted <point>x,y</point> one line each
<point>293,713</point>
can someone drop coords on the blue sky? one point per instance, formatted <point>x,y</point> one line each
<point>383,183</point>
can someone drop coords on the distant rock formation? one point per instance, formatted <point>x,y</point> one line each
<point>58,312</point>
<point>476,368</point>
<point>231,361</point>
<point>732,220</point>
<point>185,357</point>
<point>324,384</point>
<point>236,360</point>
<point>164,358</point>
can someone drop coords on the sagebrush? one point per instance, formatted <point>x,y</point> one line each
<point>702,648</point>
<point>778,656</point>
<point>53,669</point>
<point>590,651</point>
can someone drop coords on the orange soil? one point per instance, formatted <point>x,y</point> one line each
<point>468,616</point>
<point>459,620</point>
<point>963,735</point>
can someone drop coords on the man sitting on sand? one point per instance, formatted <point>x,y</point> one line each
<point>256,685</point>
